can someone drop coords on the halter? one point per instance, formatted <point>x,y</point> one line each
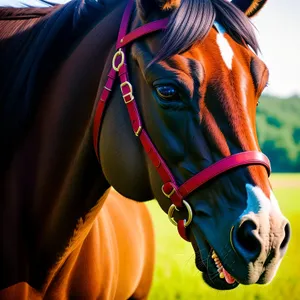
<point>170,189</point>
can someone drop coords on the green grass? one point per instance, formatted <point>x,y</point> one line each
<point>286,176</point>
<point>176,276</point>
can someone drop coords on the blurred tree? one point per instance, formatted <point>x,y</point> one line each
<point>278,126</point>
<point>296,135</point>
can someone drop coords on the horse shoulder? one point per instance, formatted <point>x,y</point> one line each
<point>115,260</point>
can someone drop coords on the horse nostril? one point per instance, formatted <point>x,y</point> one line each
<point>246,242</point>
<point>245,236</point>
<point>287,236</point>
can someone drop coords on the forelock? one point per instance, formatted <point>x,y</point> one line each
<point>192,21</point>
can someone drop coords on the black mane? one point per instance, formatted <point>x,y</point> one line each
<point>192,21</point>
<point>32,41</point>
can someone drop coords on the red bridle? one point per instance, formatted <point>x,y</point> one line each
<point>170,189</point>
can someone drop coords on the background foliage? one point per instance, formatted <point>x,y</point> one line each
<point>278,125</point>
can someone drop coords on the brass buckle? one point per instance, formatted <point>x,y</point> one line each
<point>118,53</point>
<point>171,212</point>
<point>139,130</point>
<point>168,195</point>
<point>128,94</point>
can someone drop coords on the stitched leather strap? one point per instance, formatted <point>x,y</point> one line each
<point>124,38</point>
<point>222,166</point>
<point>138,129</point>
<point>125,22</point>
<point>142,31</point>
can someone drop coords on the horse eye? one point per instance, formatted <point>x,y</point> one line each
<point>167,92</point>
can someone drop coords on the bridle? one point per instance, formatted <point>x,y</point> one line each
<point>170,189</point>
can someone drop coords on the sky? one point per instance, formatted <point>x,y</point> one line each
<point>278,26</point>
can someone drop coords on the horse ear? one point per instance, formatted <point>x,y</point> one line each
<point>249,7</point>
<point>145,7</point>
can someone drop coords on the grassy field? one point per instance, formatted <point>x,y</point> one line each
<point>176,276</point>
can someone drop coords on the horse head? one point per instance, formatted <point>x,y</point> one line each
<point>197,85</point>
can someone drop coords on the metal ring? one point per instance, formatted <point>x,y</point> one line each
<point>171,212</point>
<point>118,53</point>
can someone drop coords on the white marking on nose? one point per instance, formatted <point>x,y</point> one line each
<point>256,200</point>
<point>225,49</point>
<point>259,203</point>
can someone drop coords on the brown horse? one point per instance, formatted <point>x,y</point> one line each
<point>110,256</point>
<point>196,84</point>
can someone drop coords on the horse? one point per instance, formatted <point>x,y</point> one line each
<point>180,128</point>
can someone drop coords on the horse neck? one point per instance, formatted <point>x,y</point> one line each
<point>55,180</point>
